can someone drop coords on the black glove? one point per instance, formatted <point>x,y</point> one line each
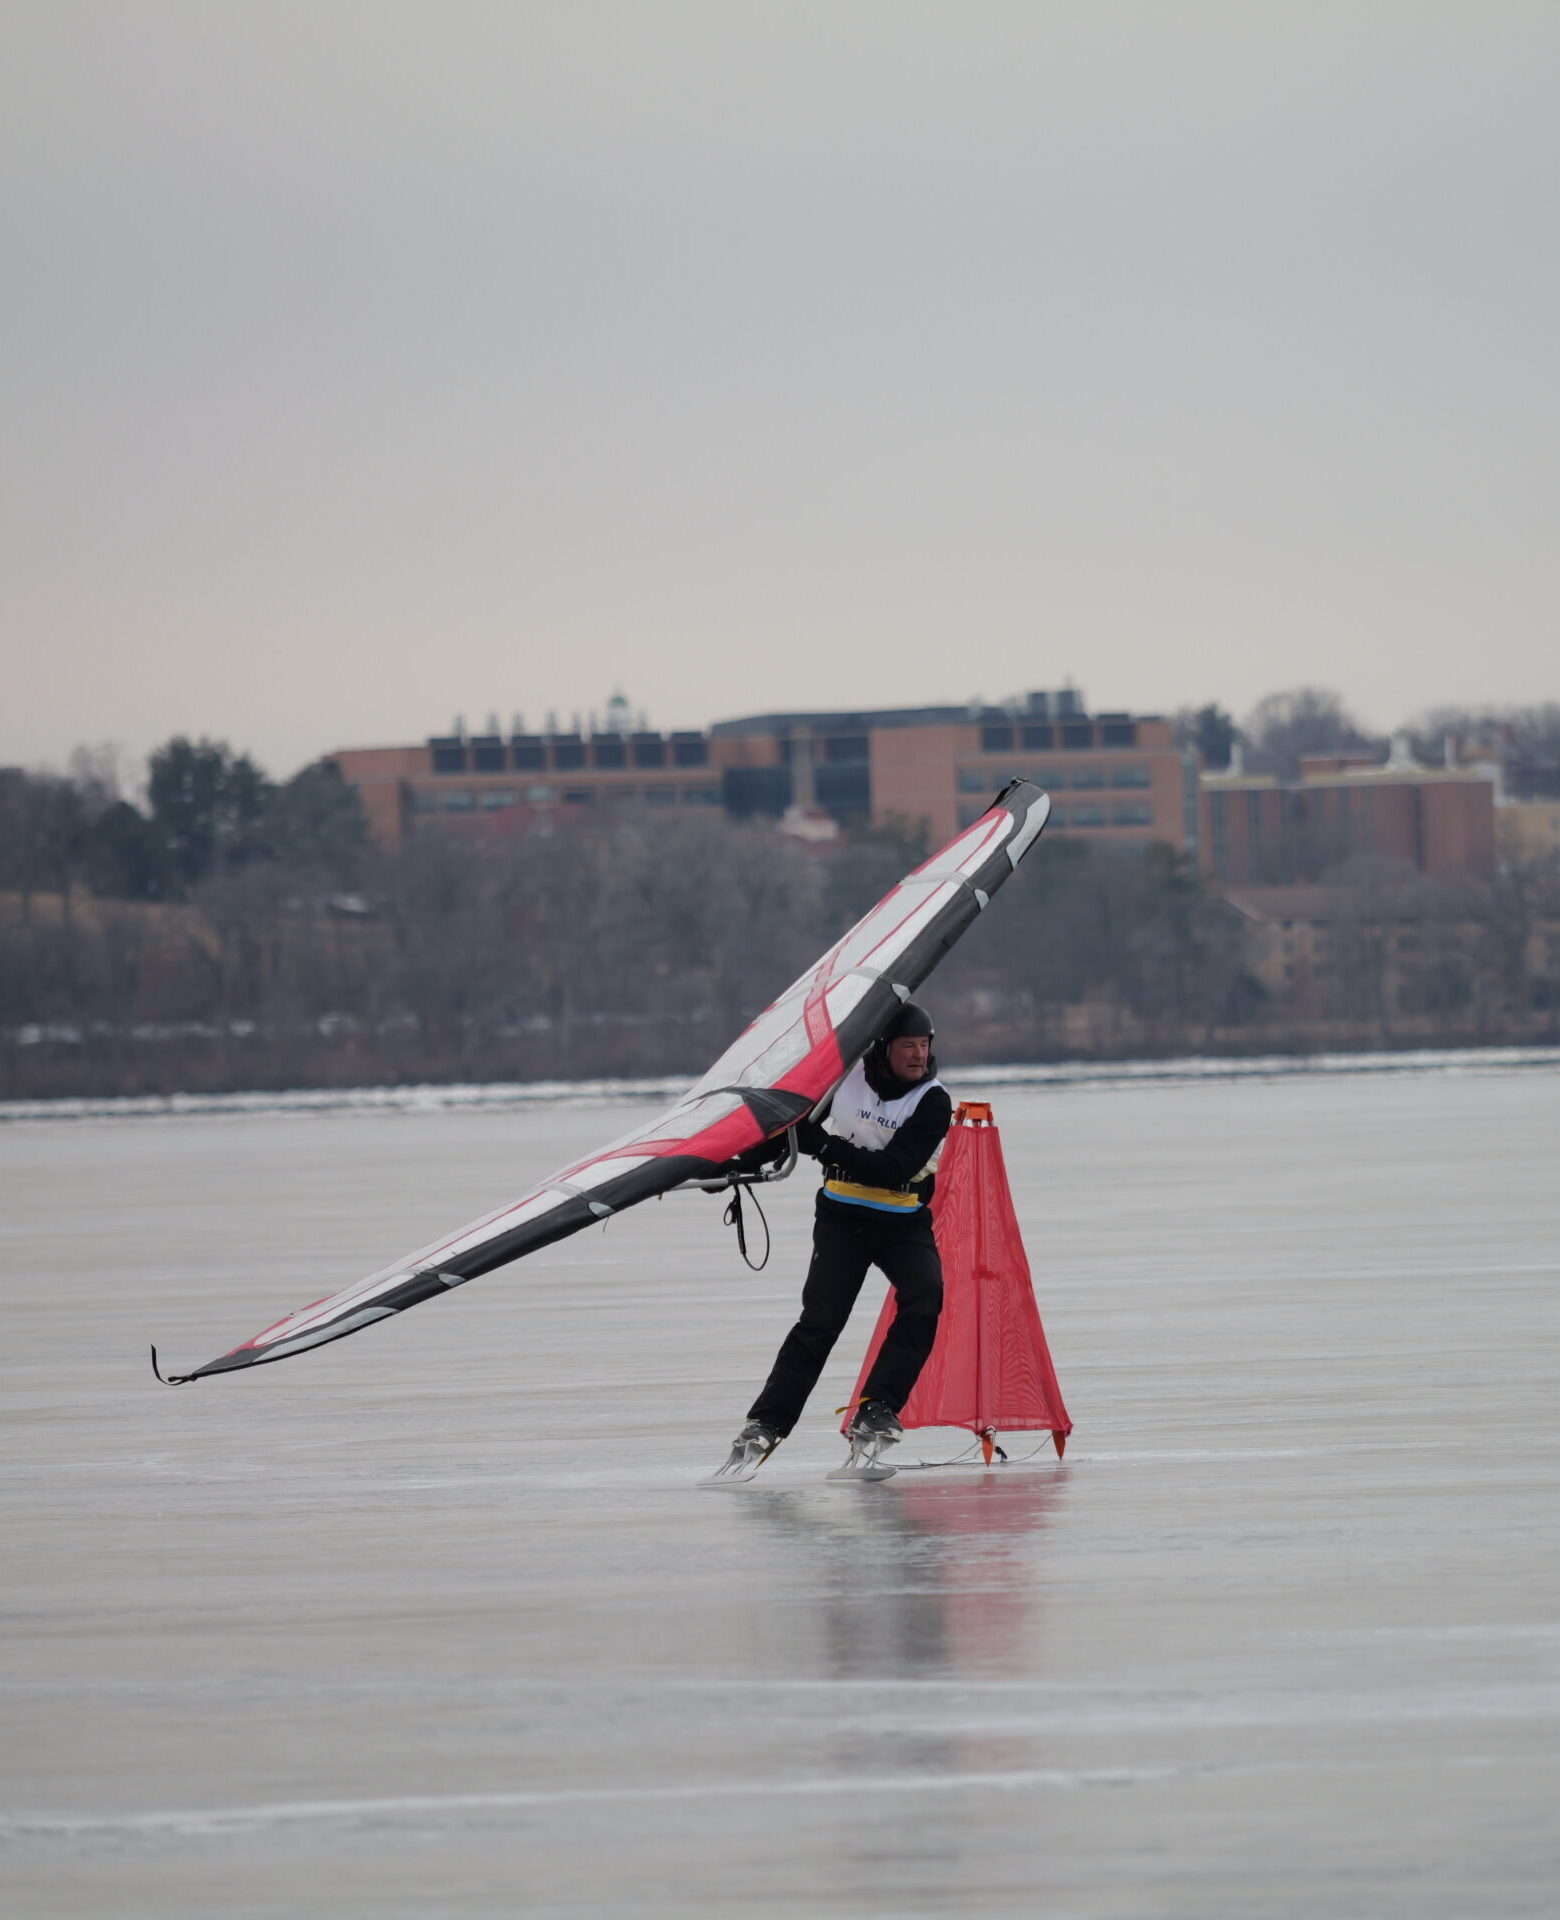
<point>811,1138</point>
<point>767,1153</point>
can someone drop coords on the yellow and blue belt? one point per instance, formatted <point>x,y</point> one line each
<point>883,1199</point>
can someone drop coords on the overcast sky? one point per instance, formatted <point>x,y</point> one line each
<point>371,363</point>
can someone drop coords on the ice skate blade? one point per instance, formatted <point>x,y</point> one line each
<point>866,1470</point>
<point>738,1469</point>
<point>865,1463</point>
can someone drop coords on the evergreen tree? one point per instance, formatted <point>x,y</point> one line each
<point>208,807</point>
<point>123,856</point>
<point>314,824</point>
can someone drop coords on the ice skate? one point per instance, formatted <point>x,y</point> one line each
<point>751,1448</point>
<point>875,1428</point>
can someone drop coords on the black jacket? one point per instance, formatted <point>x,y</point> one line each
<point>897,1164</point>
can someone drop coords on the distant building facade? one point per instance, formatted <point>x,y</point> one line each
<point>1528,830</point>
<point>1258,832</point>
<point>1390,952</point>
<point>495,783</point>
<point>1115,779</point>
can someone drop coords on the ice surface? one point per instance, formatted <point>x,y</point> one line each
<point>435,1622</point>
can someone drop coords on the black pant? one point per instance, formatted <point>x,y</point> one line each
<point>846,1241</point>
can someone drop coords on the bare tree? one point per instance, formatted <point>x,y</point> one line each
<point>1283,727</point>
<point>1525,741</point>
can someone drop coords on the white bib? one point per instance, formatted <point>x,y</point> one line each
<point>861,1117</point>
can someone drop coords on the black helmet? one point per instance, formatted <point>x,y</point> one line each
<point>909,1023</point>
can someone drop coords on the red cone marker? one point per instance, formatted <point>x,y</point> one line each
<point>990,1370</point>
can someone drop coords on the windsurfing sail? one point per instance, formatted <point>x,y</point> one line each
<point>773,1075</point>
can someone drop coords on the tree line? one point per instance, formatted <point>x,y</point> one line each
<point>233,932</point>
<point>1282,728</point>
<point>208,811</point>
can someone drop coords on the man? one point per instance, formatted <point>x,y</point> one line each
<point>878,1151</point>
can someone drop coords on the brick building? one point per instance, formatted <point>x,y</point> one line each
<point>1115,779</point>
<point>1256,831</point>
<point>1322,951</point>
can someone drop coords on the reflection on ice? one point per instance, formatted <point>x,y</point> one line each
<point>914,1579</point>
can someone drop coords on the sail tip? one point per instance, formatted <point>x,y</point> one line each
<point>170,1379</point>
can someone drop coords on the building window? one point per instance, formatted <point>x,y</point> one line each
<point>1053,779</point>
<point>996,739</point>
<point>1039,737</point>
<point>1129,777</point>
<point>610,754</point>
<point>618,794</point>
<point>649,750</point>
<point>424,800</point>
<point>846,792</point>
<point>1132,813</point>
<point>449,759</point>
<point>660,796</point>
<point>1078,733</point>
<point>701,796</point>
<point>972,780</point>
<point>1118,733</point>
<point>527,756</point>
<point>1086,777</point>
<point>492,798</point>
<point>568,753</point>
<point>690,750</point>
<point>579,796</point>
<point>1058,817</point>
<point>1088,816</point>
<point>844,746</point>
<point>749,790</point>
<point>458,800</point>
<point>487,756</point>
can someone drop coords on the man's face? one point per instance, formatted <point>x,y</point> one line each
<point>908,1056</point>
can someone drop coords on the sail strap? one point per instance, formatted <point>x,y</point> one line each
<point>733,1218</point>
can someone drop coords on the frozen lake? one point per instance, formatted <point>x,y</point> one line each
<point>434,1621</point>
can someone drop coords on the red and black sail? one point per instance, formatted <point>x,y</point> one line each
<point>771,1076</point>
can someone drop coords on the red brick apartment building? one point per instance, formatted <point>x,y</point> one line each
<point>1113,778</point>
<point>1256,832</point>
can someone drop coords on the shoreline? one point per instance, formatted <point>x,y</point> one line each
<point>502,1095</point>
